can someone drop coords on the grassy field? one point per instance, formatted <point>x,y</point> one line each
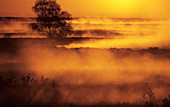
<point>33,72</point>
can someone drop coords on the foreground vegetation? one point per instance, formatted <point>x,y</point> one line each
<point>27,91</point>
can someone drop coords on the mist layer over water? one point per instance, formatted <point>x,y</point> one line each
<point>103,32</point>
<point>88,27</point>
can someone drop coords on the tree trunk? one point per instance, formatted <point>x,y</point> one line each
<point>49,33</point>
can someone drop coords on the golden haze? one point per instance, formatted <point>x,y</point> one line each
<point>113,8</point>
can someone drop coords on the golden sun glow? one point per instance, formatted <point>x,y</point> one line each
<point>122,6</point>
<point>117,8</point>
<point>114,8</point>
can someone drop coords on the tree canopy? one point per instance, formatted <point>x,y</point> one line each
<point>51,19</point>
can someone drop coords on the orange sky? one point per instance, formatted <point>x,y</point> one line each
<point>114,8</point>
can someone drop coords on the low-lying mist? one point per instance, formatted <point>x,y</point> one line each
<point>113,68</point>
<point>91,75</point>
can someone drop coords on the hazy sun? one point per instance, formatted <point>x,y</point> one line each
<point>124,3</point>
<point>123,6</point>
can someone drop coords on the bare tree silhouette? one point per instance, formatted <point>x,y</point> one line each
<point>51,19</point>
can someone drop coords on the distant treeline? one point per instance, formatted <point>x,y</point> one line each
<point>17,18</point>
<point>77,18</point>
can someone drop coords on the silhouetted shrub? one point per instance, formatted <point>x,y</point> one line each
<point>166,101</point>
<point>149,95</point>
<point>28,91</point>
